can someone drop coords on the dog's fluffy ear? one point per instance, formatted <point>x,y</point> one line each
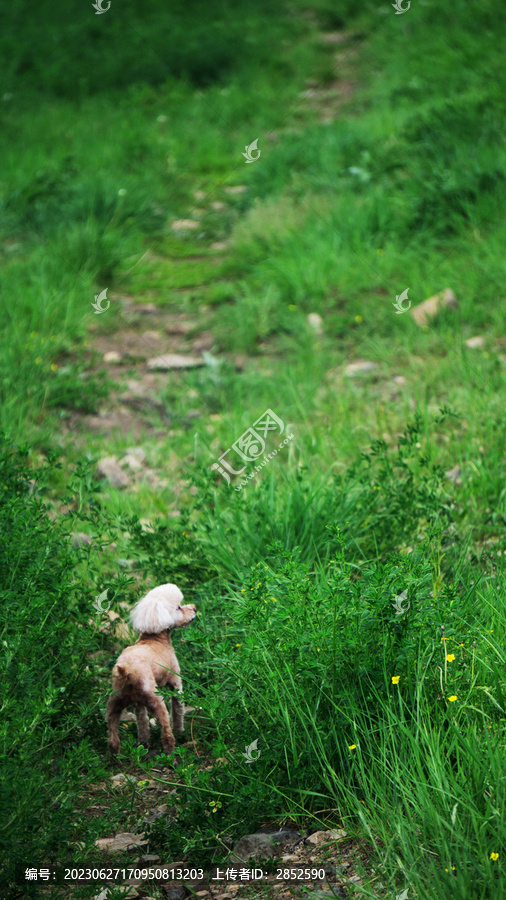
<point>158,610</point>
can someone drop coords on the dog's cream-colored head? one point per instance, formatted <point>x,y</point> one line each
<point>161,609</point>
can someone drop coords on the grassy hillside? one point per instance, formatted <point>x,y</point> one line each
<point>351,590</point>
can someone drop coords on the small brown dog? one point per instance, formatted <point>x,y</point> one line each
<point>148,664</point>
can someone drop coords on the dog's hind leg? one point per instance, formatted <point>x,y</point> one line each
<point>177,714</point>
<point>157,707</point>
<point>142,724</point>
<point>115,707</point>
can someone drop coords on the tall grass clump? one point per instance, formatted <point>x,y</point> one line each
<point>49,701</point>
<point>383,500</point>
<point>372,697</point>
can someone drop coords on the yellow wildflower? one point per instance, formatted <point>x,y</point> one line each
<point>452,698</point>
<point>395,679</point>
<point>352,746</point>
<point>494,856</point>
<point>450,657</point>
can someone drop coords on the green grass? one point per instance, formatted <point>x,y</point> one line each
<point>104,146</point>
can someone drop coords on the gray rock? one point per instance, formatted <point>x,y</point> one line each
<point>454,475</point>
<point>120,842</point>
<point>358,367</point>
<point>263,846</point>
<point>109,469</point>
<point>79,539</point>
<point>184,225</point>
<point>146,309</point>
<point>112,356</point>
<point>475,343</point>
<point>322,837</point>
<point>149,859</point>
<point>175,891</point>
<point>134,458</point>
<point>174,361</point>
<point>424,312</point>
<point>315,321</point>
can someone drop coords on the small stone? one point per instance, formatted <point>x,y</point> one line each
<point>322,837</point>
<point>174,361</point>
<point>315,321</point>
<point>184,225</point>
<point>454,475</point>
<point>430,308</point>
<point>146,526</point>
<point>219,245</point>
<point>120,628</point>
<point>217,205</point>
<point>138,453</point>
<point>400,380</point>
<point>120,842</point>
<point>131,462</point>
<point>178,327</point>
<point>109,469</point>
<point>174,891</point>
<point>149,859</point>
<point>333,37</point>
<point>240,362</point>
<point>112,356</point>
<point>361,365</point>
<point>261,845</point>
<point>79,539</point>
<point>146,309</point>
<point>152,337</point>
<point>475,343</point>
<point>199,195</point>
<point>205,341</point>
<point>236,189</point>
<point>119,781</point>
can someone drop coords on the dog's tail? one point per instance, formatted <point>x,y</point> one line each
<point>158,610</point>
<point>121,678</point>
